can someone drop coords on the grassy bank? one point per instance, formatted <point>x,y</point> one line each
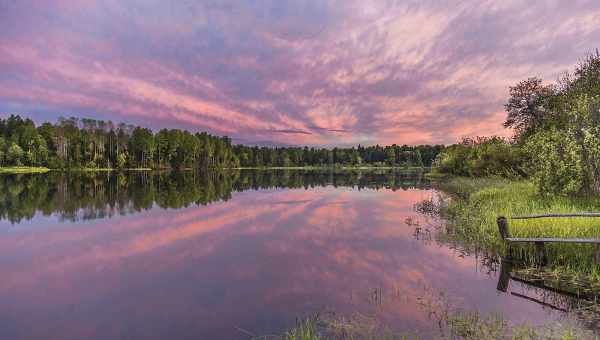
<point>39,170</point>
<point>23,170</point>
<point>472,214</point>
<point>107,169</point>
<point>337,167</point>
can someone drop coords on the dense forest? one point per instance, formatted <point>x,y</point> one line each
<point>88,143</point>
<point>92,195</point>
<point>556,139</point>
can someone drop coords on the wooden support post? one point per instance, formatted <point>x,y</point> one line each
<point>504,277</point>
<point>598,253</point>
<point>502,227</point>
<point>540,252</point>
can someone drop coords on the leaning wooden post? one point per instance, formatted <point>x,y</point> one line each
<point>502,227</point>
<point>504,277</point>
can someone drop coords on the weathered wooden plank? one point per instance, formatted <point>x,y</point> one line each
<point>541,241</point>
<point>553,240</point>
<point>584,214</point>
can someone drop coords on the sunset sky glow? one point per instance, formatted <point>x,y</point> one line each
<point>288,72</point>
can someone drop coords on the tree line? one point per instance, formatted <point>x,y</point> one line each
<point>89,143</point>
<point>556,139</point>
<point>392,155</point>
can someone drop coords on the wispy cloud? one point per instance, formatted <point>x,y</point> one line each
<point>314,72</point>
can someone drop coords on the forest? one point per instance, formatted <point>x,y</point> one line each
<point>73,143</point>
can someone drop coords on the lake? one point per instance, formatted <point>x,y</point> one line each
<point>209,255</point>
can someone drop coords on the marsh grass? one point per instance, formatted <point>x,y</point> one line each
<point>446,321</point>
<point>472,218</point>
<point>455,325</point>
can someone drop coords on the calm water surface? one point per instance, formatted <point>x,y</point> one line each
<point>205,256</point>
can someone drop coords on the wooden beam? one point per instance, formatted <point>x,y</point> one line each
<point>584,214</point>
<point>553,240</point>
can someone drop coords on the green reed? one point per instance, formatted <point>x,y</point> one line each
<point>454,325</point>
<point>472,218</point>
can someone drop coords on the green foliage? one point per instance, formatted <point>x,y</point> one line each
<point>481,157</point>
<point>566,158</point>
<point>557,136</point>
<point>75,143</point>
<point>14,154</point>
<point>391,156</point>
<point>556,159</point>
<point>89,143</point>
<point>559,127</point>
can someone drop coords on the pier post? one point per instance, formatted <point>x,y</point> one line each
<point>502,226</point>
<point>504,277</point>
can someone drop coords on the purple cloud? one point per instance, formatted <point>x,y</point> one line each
<point>292,72</point>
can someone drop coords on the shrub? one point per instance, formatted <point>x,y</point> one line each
<point>565,159</point>
<point>482,157</point>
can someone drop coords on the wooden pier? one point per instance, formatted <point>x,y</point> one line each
<point>541,241</point>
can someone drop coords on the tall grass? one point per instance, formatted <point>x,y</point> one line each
<point>478,202</point>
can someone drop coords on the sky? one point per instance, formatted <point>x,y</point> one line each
<point>315,72</point>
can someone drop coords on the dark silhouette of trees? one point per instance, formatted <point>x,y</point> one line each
<point>527,106</point>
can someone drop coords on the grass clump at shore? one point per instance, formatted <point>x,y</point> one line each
<point>471,217</point>
<point>23,170</point>
<point>456,324</point>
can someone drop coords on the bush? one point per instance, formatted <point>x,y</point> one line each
<point>566,159</point>
<point>91,165</point>
<point>14,155</point>
<point>482,157</point>
<point>56,163</point>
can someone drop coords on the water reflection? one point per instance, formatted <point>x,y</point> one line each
<point>551,294</point>
<point>255,260</point>
<point>91,195</point>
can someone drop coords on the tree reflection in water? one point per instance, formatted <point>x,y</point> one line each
<point>92,195</point>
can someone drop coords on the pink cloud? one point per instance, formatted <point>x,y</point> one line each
<point>349,74</point>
